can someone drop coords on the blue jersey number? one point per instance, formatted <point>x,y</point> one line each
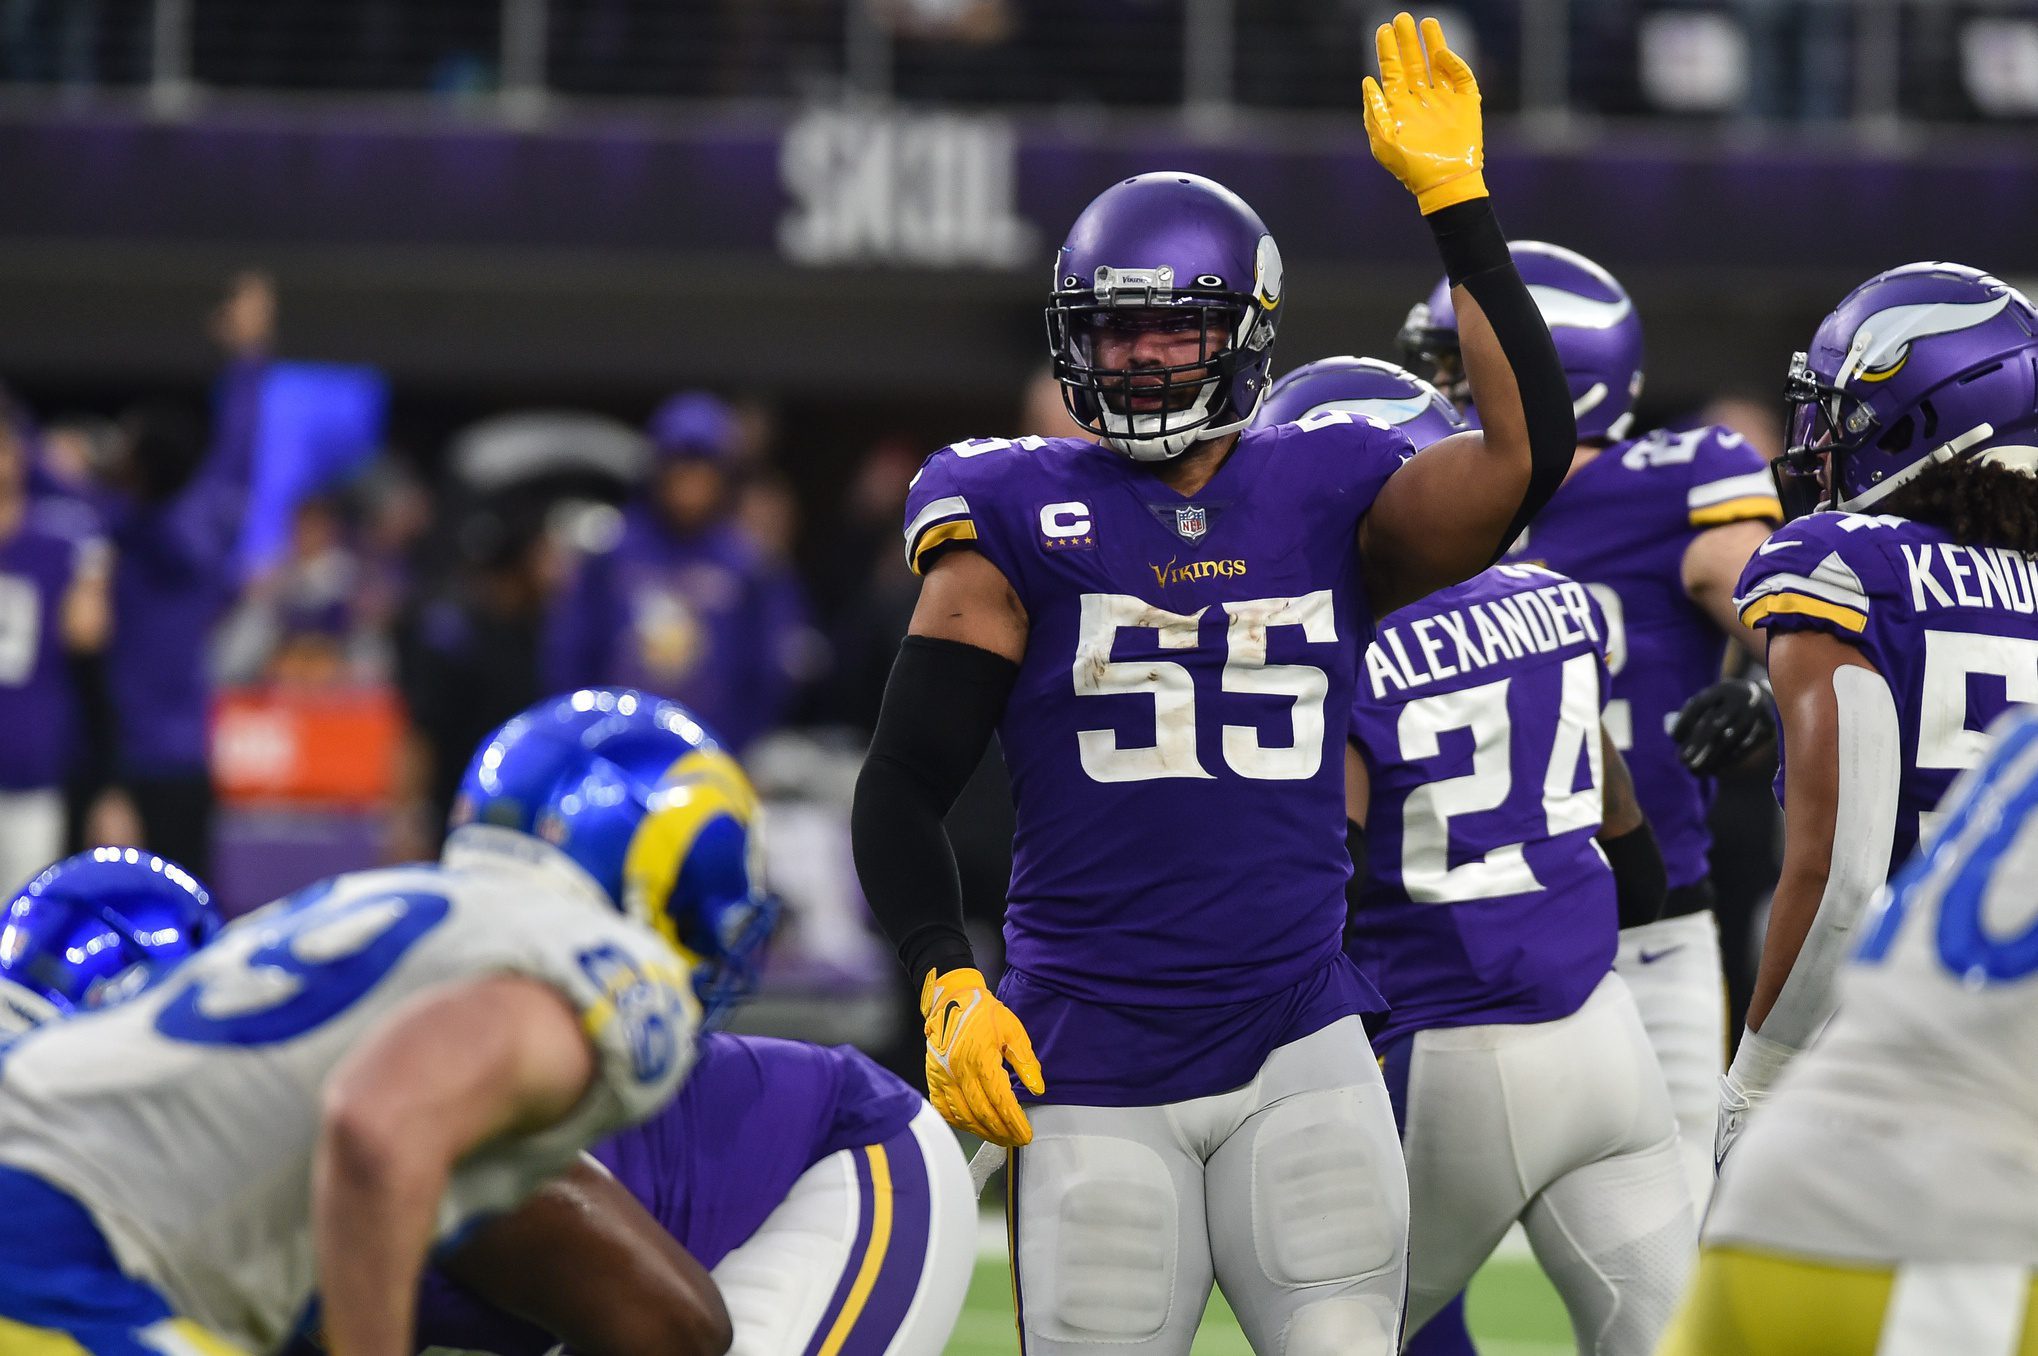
<point>314,964</point>
<point>1962,939</point>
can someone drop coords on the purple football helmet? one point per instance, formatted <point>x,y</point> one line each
<point>1918,366</point>
<point>1162,318</point>
<point>1597,333</point>
<point>1365,388</point>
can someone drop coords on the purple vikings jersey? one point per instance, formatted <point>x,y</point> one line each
<point>706,619</point>
<point>1621,525</point>
<point>1175,744</point>
<point>36,570</point>
<point>753,1115</point>
<point>1953,630</point>
<point>1478,712</point>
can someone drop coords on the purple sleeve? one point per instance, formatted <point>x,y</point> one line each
<point>579,627</point>
<point>200,527</point>
<point>449,1315</point>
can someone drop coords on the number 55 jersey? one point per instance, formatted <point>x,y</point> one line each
<point>1952,629</point>
<point>1175,741</point>
<point>184,1121</point>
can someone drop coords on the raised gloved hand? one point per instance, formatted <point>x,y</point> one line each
<point>1724,724</point>
<point>971,1037</point>
<point>1422,115</point>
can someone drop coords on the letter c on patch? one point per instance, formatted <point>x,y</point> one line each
<point>1071,519</point>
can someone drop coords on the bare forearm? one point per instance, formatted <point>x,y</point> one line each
<point>374,1208</point>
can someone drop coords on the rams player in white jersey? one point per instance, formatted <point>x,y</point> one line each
<point>358,1072</point>
<point>1885,1202</point>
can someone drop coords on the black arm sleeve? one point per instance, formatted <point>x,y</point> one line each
<point>1640,884</point>
<point>1476,258</point>
<point>940,710</point>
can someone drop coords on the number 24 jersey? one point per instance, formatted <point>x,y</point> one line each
<point>1175,736</point>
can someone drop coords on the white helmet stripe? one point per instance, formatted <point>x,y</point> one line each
<point>1882,340</point>
<point>1379,409</point>
<point>1568,310</point>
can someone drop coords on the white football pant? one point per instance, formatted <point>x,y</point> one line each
<point>1289,1192</point>
<point>869,1254</point>
<point>1672,967</point>
<point>1566,1127</point>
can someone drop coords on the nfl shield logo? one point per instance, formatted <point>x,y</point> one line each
<point>1191,523</point>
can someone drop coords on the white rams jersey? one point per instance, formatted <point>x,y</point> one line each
<point>1909,1132</point>
<point>185,1119</point>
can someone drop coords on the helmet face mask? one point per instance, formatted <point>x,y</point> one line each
<point>1161,319</point>
<point>1141,375</point>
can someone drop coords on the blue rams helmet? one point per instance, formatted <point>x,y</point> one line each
<point>638,794</point>
<point>96,928</point>
<point>1366,388</point>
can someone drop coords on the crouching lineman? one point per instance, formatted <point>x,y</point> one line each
<point>361,1070</point>
<point>827,1197</point>
<point>1901,623</point>
<point>1485,910</point>
<point>1881,1203</point>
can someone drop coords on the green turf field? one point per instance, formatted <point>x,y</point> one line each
<point>1514,1313</point>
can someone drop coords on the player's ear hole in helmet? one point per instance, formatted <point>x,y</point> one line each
<point>638,795</point>
<point>96,928</point>
<point>1162,315</point>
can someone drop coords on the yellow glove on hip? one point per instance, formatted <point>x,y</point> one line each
<point>971,1036</point>
<point>1422,115</point>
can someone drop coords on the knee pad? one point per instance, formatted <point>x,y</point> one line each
<point>1329,1193</point>
<point>1099,1238</point>
<point>1350,1326</point>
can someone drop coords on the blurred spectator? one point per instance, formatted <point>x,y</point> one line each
<point>175,524</point>
<point>1042,411</point>
<point>685,604</point>
<point>467,661</point>
<point>54,609</point>
<point>298,623</point>
<point>1759,421</point>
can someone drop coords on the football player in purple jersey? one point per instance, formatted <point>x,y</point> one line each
<point>1492,874</point>
<point>1489,880</point>
<point>1658,526</point>
<point>1163,626</point>
<point>1902,616</point>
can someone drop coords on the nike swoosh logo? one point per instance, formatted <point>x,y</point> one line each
<point>947,1017</point>
<point>1766,547</point>
<point>1651,957</point>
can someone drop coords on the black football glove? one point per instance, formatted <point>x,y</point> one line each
<point>1724,724</point>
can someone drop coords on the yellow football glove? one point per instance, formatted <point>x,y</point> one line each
<point>1422,116</point>
<point>971,1036</point>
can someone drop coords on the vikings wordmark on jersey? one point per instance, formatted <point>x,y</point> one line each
<point>1175,741</point>
<point>1621,526</point>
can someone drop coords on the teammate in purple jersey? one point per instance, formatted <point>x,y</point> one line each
<point>684,602</point>
<point>1494,873</point>
<point>829,1203</point>
<point>1902,617</point>
<point>54,606</point>
<point>1658,527</point>
<point>1163,626</point>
